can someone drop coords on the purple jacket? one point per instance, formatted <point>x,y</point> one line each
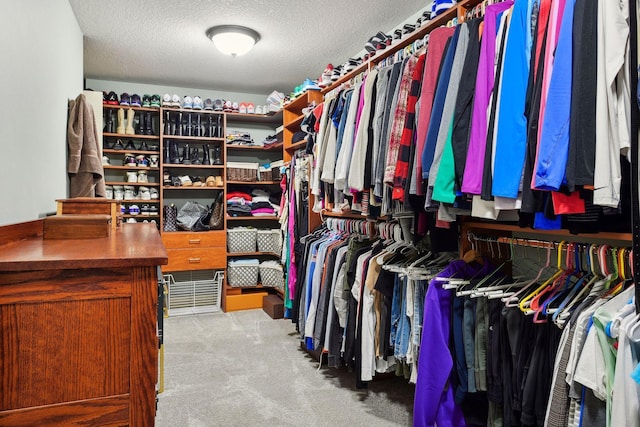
<point>434,402</point>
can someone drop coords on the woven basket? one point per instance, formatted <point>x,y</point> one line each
<point>239,171</point>
<point>241,239</point>
<point>272,276</point>
<point>242,275</point>
<point>269,241</point>
<point>264,174</point>
<point>275,170</point>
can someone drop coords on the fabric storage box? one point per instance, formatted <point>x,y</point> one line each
<point>242,171</point>
<point>241,239</point>
<point>272,274</point>
<point>243,273</point>
<point>269,240</point>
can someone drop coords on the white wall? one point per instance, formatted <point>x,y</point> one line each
<point>41,53</point>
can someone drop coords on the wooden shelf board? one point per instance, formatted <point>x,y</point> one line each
<point>140,216</point>
<point>143,184</point>
<point>252,218</point>
<point>296,145</point>
<point>273,147</point>
<point>191,138</point>
<point>295,123</point>
<point>112,151</point>
<point>136,168</point>
<point>135,136</point>
<point>126,107</point>
<point>255,118</point>
<point>139,201</point>
<point>181,166</point>
<point>190,187</point>
<point>232,254</point>
<point>254,182</point>
<point>475,225</point>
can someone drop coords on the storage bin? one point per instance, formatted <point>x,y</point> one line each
<point>275,170</point>
<point>243,274</point>
<point>269,240</point>
<point>241,239</point>
<point>241,171</point>
<point>272,275</point>
<point>264,173</point>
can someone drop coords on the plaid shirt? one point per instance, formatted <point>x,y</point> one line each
<point>399,118</point>
<point>407,140</point>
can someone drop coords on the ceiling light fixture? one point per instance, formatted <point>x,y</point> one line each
<point>233,40</point>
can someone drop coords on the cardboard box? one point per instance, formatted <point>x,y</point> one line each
<point>273,306</point>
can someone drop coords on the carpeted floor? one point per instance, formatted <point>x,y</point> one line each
<point>245,369</point>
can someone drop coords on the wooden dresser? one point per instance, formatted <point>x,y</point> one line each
<point>78,333</point>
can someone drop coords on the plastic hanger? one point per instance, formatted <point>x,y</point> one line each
<point>524,304</point>
<point>514,300</point>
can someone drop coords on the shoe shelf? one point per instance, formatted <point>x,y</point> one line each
<point>143,184</point>
<point>191,187</point>
<point>140,216</point>
<point>189,110</point>
<point>126,107</point>
<point>172,166</point>
<point>254,182</point>
<point>193,138</point>
<point>295,123</point>
<point>139,168</point>
<point>255,118</point>
<point>273,147</point>
<point>139,201</point>
<point>112,151</point>
<point>129,136</point>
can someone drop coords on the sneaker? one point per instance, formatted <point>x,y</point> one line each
<point>106,161</point>
<point>208,104</point>
<point>187,102</point>
<point>124,99</point>
<point>129,192</point>
<point>251,108</point>
<point>154,161</point>
<point>242,109</point>
<point>146,101</point>
<point>309,84</point>
<point>132,177</point>
<point>154,101</point>
<point>145,210</point>
<point>218,105</point>
<point>175,181</point>
<point>228,106</point>
<point>153,210</point>
<point>134,210</point>
<point>197,103</point>
<point>131,221</point>
<point>108,191</point>
<point>142,177</point>
<point>123,209</point>
<point>142,161</point>
<point>185,181</point>
<point>130,145</point>
<point>175,101</point>
<point>118,192</point>
<point>135,100</point>
<point>325,78</point>
<point>235,107</point>
<point>154,193</point>
<point>129,160</point>
<point>166,100</point>
<point>259,110</point>
<point>144,193</point>
<point>112,98</point>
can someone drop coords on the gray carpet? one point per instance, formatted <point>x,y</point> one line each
<point>245,369</point>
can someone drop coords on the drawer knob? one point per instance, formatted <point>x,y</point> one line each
<point>194,241</point>
<point>194,260</point>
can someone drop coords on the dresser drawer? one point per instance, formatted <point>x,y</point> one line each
<point>205,239</point>
<point>196,259</point>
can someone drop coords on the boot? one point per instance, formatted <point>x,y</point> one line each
<point>217,213</point>
<point>198,131</point>
<point>109,127</point>
<point>189,130</point>
<point>219,128</point>
<point>148,124</point>
<point>130,116</point>
<point>210,128</point>
<point>141,125</point>
<point>167,124</point>
<point>186,155</point>
<point>175,156</point>
<point>206,160</point>
<point>120,128</point>
<point>195,156</point>
<point>217,155</point>
<point>167,154</point>
<point>178,130</point>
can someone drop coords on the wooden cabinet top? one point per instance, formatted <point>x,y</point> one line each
<point>131,245</point>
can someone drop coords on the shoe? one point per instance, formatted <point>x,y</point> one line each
<point>175,181</point>
<point>195,156</point>
<point>185,181</point>
<point>118,192</point>
<point>308,84</point>
<point>118,145</point>
<point>175,156</point>
<point>142,161</point>
<point>135,100</point>
<point>153,210</point>
<point>130,145</point>
<point>166,179</point>
<point>167,154</point>
<point>217,155</point>
<point>129,161</point>
<point>208,104</point>
<point>259,110</point>
<point>144,146</point>
<point>142,178</point>
<point>112,98</point>
<point>186,155</point>
<point>218,181</point>
<point>397,34</point>
<point>206,159</point>
<point>144,193</point>
<point>325,78</point>
<point>235,107</point>
<point>175,101</point>
<point>218,105</point>
<point>154,101</point>
<point>228,106</point>
<point>105,97</point>
<point>146,101</point>
<point>129,130</point>
<point>217,213</point>
<point>108,192</point>
<point>109,124</point>
<point>197,181</point>
<point>187,102</point>
<point>242,109</point>
<point>141,125</point>
<point>251,108</point>
<point>120,127</point>
<point>154,161</point>
<point>408,28</point>
<point>166,100</point>
<point>129,192</point>
<point>145,209</point>
<point>134,210</point>
<point>154,147</point>
<point>197,103</point>
<point>210,181</point>
<point>154,194</point>
<point>106,161</point>
<point>124,99</point>
<point>148,124</point>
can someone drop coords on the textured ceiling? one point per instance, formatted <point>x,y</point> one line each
<point>163,42</point>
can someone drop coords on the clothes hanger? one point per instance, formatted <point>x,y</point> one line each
<point>539,302</point>
<point>513,300</point>
<point>524,304</point>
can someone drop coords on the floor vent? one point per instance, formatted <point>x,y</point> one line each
<point>193,292</point>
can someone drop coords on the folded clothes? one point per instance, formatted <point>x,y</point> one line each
<point>239,201</point>
<point>245,261</point>
<point>258,192</point>
<point>241,194</point>
<point>259,199</point>
<point>239,210</point>
<point>263,211</point>
<point>261,205</point>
